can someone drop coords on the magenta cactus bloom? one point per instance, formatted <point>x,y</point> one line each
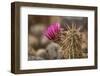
<point>52,31</point>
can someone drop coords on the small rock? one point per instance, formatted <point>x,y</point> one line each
<point>41,53</point>
<point>53,51</point>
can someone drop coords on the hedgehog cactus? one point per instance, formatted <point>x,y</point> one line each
<point>71,47</point>
<point>69,39</point>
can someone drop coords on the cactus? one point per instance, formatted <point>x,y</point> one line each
<point>70,40</point>
<point>71,45</point>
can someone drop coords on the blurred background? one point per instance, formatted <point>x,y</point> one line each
<point>40,48</point>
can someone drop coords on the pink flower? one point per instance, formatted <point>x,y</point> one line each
<point>52,31</point>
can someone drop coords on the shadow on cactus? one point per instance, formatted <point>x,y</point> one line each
<point>70,40</point>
